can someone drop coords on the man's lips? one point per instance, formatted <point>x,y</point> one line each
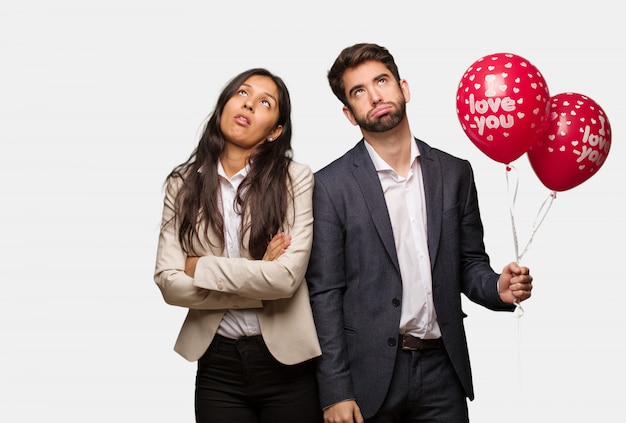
<point>381,110</point>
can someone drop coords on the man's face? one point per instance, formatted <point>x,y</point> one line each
<point>377,101</point>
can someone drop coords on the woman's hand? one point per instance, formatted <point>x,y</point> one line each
<point>190,266</point>
<point>277,246</point>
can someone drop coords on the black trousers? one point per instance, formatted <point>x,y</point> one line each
<point>425,389</point>
<point>239,381</point>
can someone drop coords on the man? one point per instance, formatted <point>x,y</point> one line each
<point>397,238</point>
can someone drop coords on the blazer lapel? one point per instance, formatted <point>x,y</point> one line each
<point>369,183</point>
<point>433,191</point>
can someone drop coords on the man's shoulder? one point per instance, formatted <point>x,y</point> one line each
<point>339,165</point>
<point>440,155</point>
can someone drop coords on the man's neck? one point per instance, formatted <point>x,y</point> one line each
<point>393,146</point>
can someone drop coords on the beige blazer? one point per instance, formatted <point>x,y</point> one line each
<point>276,289</point>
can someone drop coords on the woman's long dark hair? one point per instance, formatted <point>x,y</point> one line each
<point>265,192</point>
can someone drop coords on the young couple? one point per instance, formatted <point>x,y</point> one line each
<point>328,297</point>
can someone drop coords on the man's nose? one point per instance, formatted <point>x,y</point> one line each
<point>375,97</point>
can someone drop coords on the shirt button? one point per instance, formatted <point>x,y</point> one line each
<point>220,285</point>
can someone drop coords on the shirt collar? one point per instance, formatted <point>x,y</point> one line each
<point>381,165</point>
<point>237,176</point>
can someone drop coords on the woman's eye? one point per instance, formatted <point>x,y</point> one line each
<point>266,103</point>
<point>243,93</point>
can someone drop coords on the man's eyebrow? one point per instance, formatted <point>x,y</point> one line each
<point>376,78</point>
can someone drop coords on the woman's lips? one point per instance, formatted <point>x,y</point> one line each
<point>242,120</point>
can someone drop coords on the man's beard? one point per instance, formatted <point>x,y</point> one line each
<point>384,123</point>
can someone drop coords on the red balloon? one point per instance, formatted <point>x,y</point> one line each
<point>575,143</point>
<point>502,103</point>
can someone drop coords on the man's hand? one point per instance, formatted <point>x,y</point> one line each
<point>515,283</point>
<point>343,412</point>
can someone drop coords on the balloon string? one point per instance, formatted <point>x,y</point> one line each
<point>512,199</point>
<point>541,214</point>
<point>519,311</point>
<point>512,186</point>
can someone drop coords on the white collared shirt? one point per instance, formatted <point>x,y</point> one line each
<point>406,205</point>
<point>235,323</point>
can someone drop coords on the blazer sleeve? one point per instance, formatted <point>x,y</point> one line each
<point>262,279</point>
<point>326,279</point>
<point>479,280</point>
<point>176,286</point>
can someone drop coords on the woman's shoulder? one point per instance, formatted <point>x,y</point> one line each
<point>299,169</point>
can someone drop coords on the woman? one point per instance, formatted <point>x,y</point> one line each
<point>233,249</point>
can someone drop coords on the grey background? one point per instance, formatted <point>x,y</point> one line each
<point>99,100</point>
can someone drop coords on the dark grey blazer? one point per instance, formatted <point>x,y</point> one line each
<point>354,277</point>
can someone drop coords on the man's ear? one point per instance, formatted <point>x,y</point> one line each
<point>348,113</point>
<point>404,86</point>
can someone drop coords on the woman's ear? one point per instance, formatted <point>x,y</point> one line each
<point>275,133</point>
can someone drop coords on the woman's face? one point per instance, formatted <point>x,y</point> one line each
<point>249,116</point>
